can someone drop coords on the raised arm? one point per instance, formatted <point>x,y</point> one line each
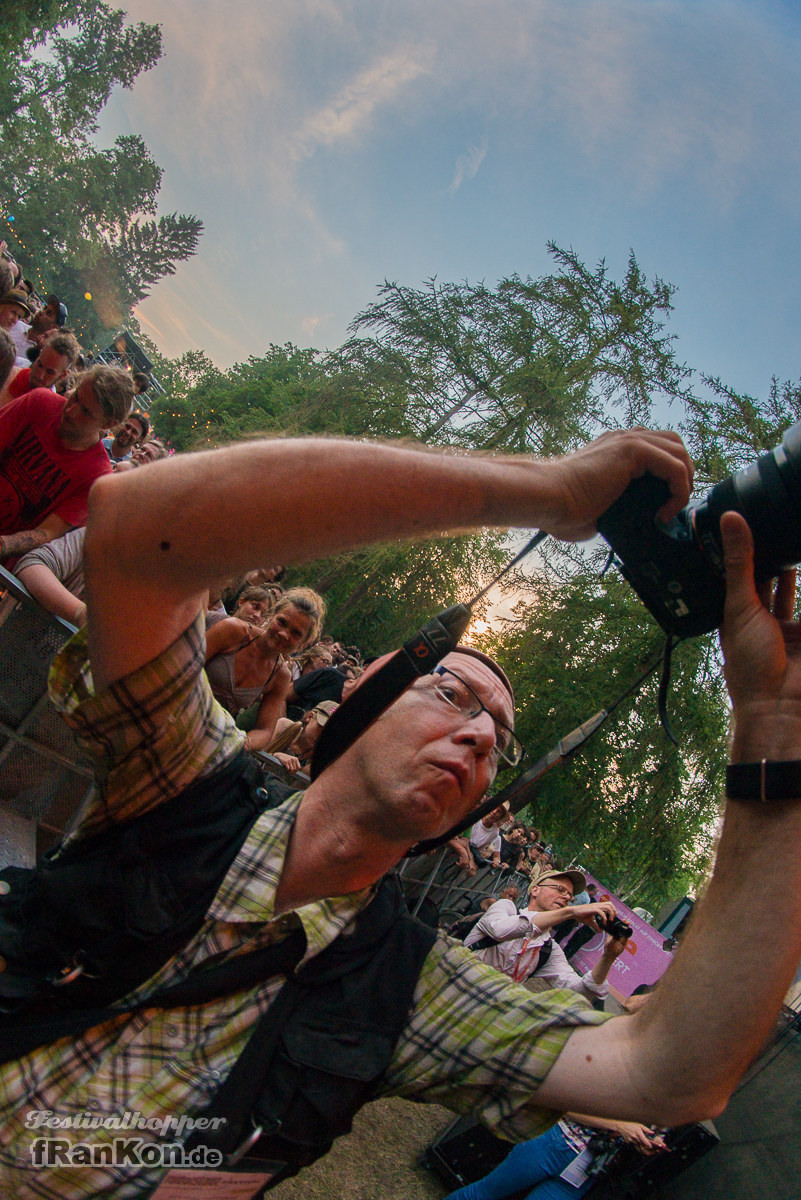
<point>679,1058</point>
<point>585,913</point>
<point>155,543</point>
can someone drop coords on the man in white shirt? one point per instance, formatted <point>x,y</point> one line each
<point>521,944</point>
<point>485,838</point>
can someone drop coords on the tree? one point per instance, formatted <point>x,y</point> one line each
<point>378,597</point>
<point>533,366</point>
<point>72,82</point>
<point>73,214</point>
<point>146,252</point>
<point>219,407</point>
<point>639,811</point>
<point>726,431</point>
<point>30,21</point>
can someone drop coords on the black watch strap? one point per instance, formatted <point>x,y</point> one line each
<point>764,781</point>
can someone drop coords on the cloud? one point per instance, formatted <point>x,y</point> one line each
<point>467,165</point>
<point>638,91</point>
<point>250,92</point>
<point>356,104</point>
<point>310,324</point>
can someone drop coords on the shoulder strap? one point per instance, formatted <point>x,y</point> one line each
<point>27,1032</point>
<point>320,1050</point>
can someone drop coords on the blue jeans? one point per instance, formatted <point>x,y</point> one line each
<point>536,1164</point>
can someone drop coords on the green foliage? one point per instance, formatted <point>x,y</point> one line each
<point>71,83</point>
<point>207,407</point>
<point>72,214</point>
<point>533,366</point>
<point>378,597</point>
<point>637,810</point>
<point>146,252</point>
<point>28,22</point>
<point>726,431</point>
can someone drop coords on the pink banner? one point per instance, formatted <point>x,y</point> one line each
<point>643,960</point>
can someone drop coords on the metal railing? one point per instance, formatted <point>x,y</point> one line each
<point>42,775</point>
<point>439,879</point>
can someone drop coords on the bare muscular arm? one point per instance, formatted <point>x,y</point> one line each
<point>154,545</point>
<point>679,1058</point>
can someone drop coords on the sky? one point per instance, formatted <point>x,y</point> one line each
<point>328,145</point>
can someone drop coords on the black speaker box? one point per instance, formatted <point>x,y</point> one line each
<point>464,1152</point>
<point>635,1177</point>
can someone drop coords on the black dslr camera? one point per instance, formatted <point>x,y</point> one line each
<point>616,927</point>
<point>677,569</point>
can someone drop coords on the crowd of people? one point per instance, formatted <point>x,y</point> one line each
<point>278,980</point>
<point>48,355</point>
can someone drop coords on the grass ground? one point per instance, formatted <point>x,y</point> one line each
<point>378,1160</point>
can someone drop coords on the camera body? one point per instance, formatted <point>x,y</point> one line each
<point>616,927</point>
<point>677,568</point>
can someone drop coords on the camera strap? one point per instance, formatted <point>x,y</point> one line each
<point>664,688</point>
<point>417,657</point>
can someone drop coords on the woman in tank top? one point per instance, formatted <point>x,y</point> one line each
<point>245,664</point>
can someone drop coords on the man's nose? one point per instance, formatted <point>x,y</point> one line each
<point>478,731</point>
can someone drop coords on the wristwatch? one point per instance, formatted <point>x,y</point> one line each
<point>764,781</point>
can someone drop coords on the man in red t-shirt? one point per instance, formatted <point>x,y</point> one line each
<point>55,359</point>
<point>51,454</point>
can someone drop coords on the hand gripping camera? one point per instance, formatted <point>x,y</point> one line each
<point>616,927</point>
<point>677,568</point>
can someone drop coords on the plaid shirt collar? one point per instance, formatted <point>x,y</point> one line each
<point>247,894</point>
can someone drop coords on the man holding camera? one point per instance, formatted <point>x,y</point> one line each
<point>472,1039</point>
<point>522,944</point>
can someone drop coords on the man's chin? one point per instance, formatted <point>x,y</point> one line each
<point>430,817</point>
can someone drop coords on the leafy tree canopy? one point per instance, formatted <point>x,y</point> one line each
<point>639,811</point>
<point>71,213</point>
<point>531,366</point>
<point>726,431</point>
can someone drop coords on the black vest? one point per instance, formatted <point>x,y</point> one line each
<point>119,904</point>
<point>328,1038</point>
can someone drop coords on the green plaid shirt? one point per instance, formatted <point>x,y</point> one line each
<point>475,1041</point>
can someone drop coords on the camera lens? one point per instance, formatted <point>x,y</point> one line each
<point>767,493</point>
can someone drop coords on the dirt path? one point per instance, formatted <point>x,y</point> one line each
<point>378,1160</point>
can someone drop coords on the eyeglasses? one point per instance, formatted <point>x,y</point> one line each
<point>558,887</point>
<point>459,695</point>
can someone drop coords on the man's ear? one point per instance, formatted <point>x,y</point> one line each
<point>533,893</point>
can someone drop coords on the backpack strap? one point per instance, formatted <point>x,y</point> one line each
<point>95,920</point>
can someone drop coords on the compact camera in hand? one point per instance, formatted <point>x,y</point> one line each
<point>616,927</point>
<point>677,568</point>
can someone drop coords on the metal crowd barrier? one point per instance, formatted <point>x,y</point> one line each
<point>42,776</point>
<point>438,879</point>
